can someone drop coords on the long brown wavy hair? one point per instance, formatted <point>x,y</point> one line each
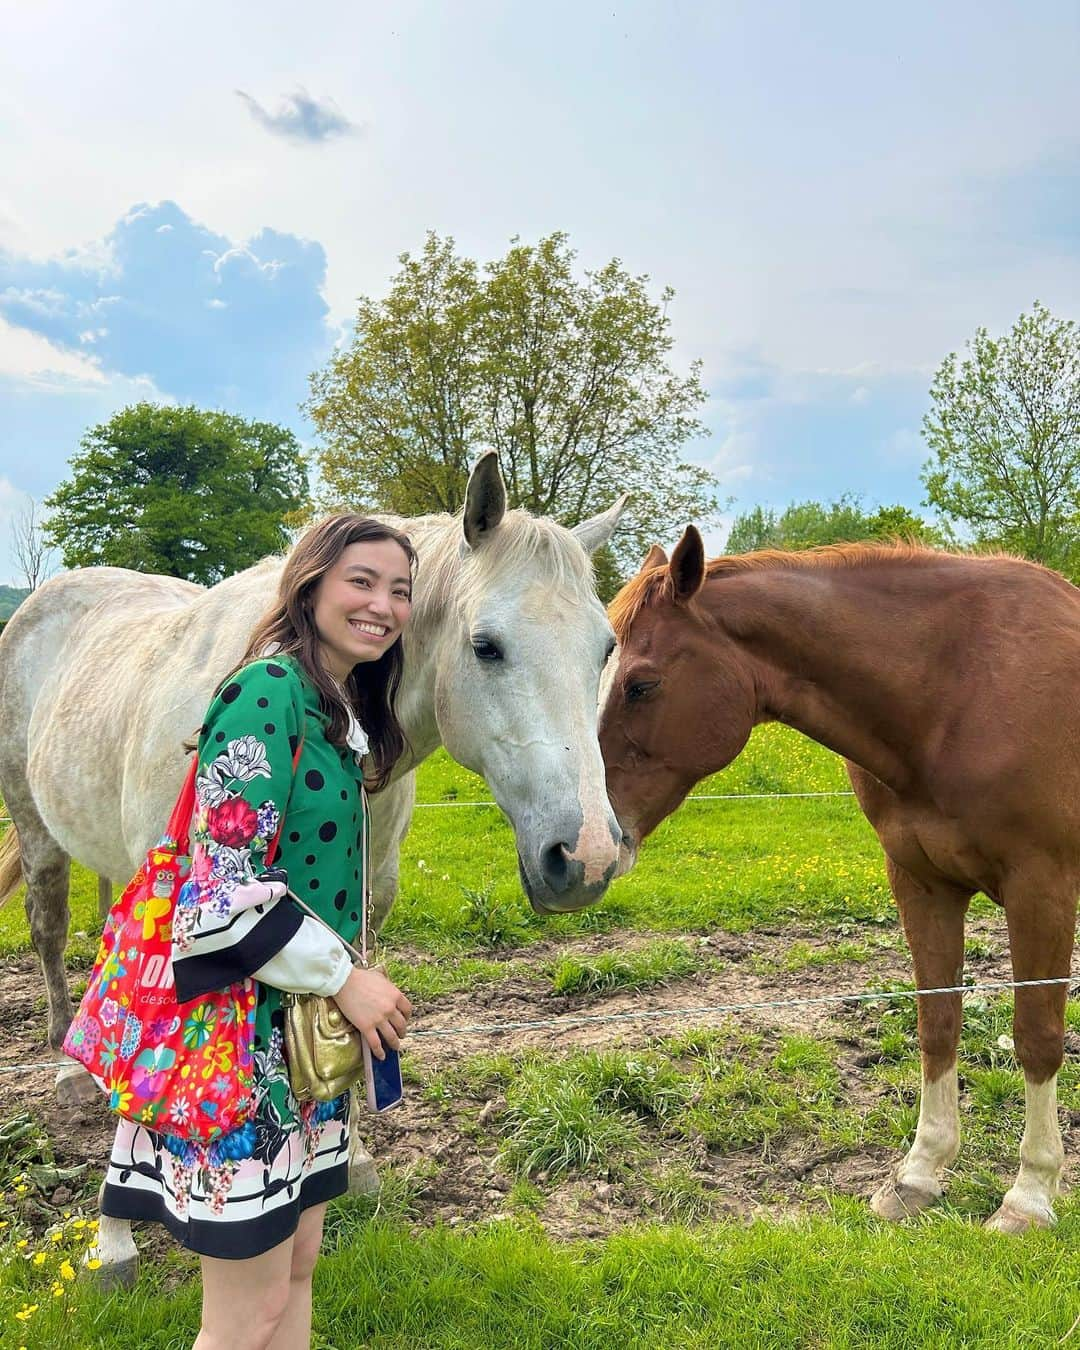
<point>289,629</point>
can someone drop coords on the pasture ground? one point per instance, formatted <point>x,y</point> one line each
<point>695,1180</point>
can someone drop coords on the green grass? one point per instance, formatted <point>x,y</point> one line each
<point>644,967</point>
<point>839,1281</point>
<point>845,1283</point>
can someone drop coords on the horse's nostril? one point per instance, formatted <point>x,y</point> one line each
<point>555,866</point>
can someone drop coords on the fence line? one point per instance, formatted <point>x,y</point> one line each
<point>643,1014</point>
<point>693,797</point>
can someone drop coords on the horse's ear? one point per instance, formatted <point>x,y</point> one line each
<point>687,566</point>
<point>595,532</point>
<point>485,499</point>
<point>656,557</point>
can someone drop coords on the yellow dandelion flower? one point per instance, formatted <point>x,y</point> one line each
<point>39,1258</point>
<point>79,1223</point>
<point>67,1270</point>
<point>26,1312</point>
<point>22,1242</point>
<point>94,1263</point>
<point>57,1235</point>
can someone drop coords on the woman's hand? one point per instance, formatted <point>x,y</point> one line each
<point>377,1008</point>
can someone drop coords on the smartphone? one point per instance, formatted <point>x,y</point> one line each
<point>382,1078</point>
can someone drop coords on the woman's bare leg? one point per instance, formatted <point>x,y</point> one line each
<point>294,1330</point>
<point>244,1301</point>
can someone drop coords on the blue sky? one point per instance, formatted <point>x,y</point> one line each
<point>194,198</point>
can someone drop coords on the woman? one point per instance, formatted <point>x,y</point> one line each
<point>280,750</point>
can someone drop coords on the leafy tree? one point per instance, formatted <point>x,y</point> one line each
<point>808,524</point>
<point>569,380</point>
<point>178,490</point>
<point>1005,436</point>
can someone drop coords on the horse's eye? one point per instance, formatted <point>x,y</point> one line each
<point>486,650</point>
<point>640,689</point>
<point>610,649</point>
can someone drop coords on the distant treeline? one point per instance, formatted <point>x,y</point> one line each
<point>11,597</point>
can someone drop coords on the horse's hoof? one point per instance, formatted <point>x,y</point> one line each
<point>111,1275</point>
<point>74,1086</point>
<point>1013,1221</point>
<point>896,1200</point>
<point>364,1178</point>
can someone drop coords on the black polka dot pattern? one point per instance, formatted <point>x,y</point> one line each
<point>321,843</point>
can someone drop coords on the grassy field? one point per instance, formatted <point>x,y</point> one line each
<point>796,889</point>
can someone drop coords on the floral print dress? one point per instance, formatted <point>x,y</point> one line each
<point>245,1195</point>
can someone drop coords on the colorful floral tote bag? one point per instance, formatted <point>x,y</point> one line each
<point>183,1068</point>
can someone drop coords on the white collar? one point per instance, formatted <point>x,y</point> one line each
<point>355,737</point>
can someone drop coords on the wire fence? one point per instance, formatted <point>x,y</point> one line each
<point>693,797</point>
<point>494,1029</point>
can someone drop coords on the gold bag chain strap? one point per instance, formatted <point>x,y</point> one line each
<point>361,956</point>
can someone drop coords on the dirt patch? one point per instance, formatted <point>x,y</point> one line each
<point>448,1157</point>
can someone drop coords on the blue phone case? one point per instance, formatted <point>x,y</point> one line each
<point>382,1079</point>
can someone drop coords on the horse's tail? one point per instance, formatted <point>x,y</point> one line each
<point>10,865</point>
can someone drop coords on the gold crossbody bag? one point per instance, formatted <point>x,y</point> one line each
<point>323,1050</point>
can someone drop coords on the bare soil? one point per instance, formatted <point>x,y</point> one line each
<point>452,1153</point>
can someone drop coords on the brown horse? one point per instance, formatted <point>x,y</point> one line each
<point>950,685</point>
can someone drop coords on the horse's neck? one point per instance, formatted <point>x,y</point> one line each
<point>830,658</point>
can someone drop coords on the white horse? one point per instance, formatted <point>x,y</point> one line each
<point>104,673</point>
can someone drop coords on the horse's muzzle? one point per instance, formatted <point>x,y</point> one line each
<point>557,885</point>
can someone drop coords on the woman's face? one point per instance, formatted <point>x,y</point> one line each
<point>362,604</point>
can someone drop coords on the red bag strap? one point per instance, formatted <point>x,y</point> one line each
<point>179,826</point>
<point>271,852</point>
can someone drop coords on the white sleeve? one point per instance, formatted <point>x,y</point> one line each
<point>311,962</point>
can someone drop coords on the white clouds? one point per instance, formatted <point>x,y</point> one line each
<point>204,317</point>
<point>27,359</point>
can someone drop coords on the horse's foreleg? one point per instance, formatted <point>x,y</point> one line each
<point>115,1249</point>
<point>934,926</point>
<point>1041,938</point>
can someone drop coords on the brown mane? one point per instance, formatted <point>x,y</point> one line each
<point>654,586</point>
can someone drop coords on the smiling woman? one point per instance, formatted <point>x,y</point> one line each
<point>279,758</point>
